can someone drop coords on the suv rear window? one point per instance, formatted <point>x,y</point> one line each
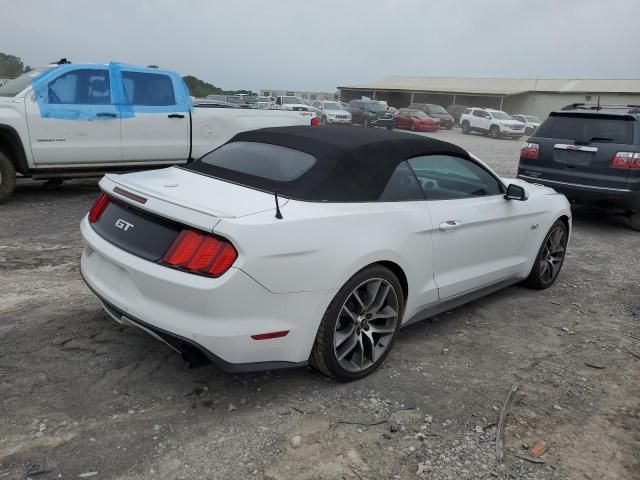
<point>588,128</point>
<point>271,162</point>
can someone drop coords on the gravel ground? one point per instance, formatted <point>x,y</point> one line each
<point>82,397</point>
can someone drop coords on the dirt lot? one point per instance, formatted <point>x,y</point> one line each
<point>83,397</point>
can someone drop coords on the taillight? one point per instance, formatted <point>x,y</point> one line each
<point>530,150</point>
<point>201,253</point>
<point>98,207</point>
<point>315,121</point>
<point>626,160</point>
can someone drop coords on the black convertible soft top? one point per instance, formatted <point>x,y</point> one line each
<point>352,164</point>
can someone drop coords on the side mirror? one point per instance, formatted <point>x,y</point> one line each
<point>516,192</point>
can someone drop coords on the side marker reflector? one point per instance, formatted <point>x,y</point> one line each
<point>269,336</point>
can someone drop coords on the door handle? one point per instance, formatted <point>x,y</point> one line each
<point>106,115</point>
<point>175,115</point>
<point>450,225</point>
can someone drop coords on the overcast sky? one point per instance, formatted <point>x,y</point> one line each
<point>320,44</point>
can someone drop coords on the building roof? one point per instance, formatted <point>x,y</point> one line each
<point>500,86</point>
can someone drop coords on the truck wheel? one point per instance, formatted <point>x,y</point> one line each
<point>7,177</point>
<point>366,123</point>
<point>465,128</point>
<point>494,131</point>
<point>634,221</point>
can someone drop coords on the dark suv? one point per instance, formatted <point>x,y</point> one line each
<point>590,154</point>
<point>456,112</point>
<point>435,111</point>
<point>371,113</point>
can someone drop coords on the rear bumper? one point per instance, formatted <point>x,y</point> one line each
<point>339,121</point>
<point>507,132</point>
<point>385,122</point>
<point>618,197</point>
<point>427,128</point>
<point>215,316</point>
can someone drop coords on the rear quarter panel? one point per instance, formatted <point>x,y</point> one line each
<point>320,246</point>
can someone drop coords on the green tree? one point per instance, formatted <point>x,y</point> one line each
<point>200,88</point>
<point>11,66</point>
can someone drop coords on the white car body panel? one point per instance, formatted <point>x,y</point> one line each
<point>270,287</point>
<point>155,137</point>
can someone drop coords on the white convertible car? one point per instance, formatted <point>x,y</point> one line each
<point>292,245</point>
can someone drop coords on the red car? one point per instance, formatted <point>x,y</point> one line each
<point>416,120</point>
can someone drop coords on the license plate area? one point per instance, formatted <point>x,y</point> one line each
<point>135,231</point>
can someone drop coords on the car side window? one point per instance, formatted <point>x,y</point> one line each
<point>402,186</point>
<point>443,177</point>
<point>478,113</point>
<point>148,89</point>
<point>80,87</point>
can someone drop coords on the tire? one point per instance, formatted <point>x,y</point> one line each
<point>449,127</point>
<point>494,131</point>
<point>634,221</point>
<point>389,128</point>
<point>528,131</point>
<point>366,123</point>
<point>466,129</point>
<point>7,177</point>
<point>347,313</point>
<point>539,279</point>
<point>323,121</point>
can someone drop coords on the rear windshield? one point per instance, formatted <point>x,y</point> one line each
<point>261,160</point>
<point>587,128</point>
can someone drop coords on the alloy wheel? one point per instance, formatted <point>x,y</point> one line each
<point>366,324</point>
<point>552,255</point>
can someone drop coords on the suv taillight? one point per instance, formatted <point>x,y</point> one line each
<point>98,207</point>
<point>626,160</point>
<point>315,121</point>
<point>530,150</point>
<point>201,253</point>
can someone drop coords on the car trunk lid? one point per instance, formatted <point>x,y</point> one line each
<point>148,210</point>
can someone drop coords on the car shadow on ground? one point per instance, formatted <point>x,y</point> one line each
<point>596,217</point>
<point>37,190</point>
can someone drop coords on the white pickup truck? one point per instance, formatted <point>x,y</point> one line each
<point>80,120</point>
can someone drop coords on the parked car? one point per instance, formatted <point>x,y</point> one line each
<point>414,119</point>
<point>263,103</point>
<point>332,113</point>
<point>208,258</point>
<point>241,101</point>
<point>436,111</point>
<point>456,112</point>
<point>78,120</point>
<point>590,155</point>
<point>530,122</point>
<point>494,123</point>
<point>209,103</point>
<point>290,102</point>
<point>371,113</point>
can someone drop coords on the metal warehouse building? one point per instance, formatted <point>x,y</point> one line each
<point>531,96</point>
